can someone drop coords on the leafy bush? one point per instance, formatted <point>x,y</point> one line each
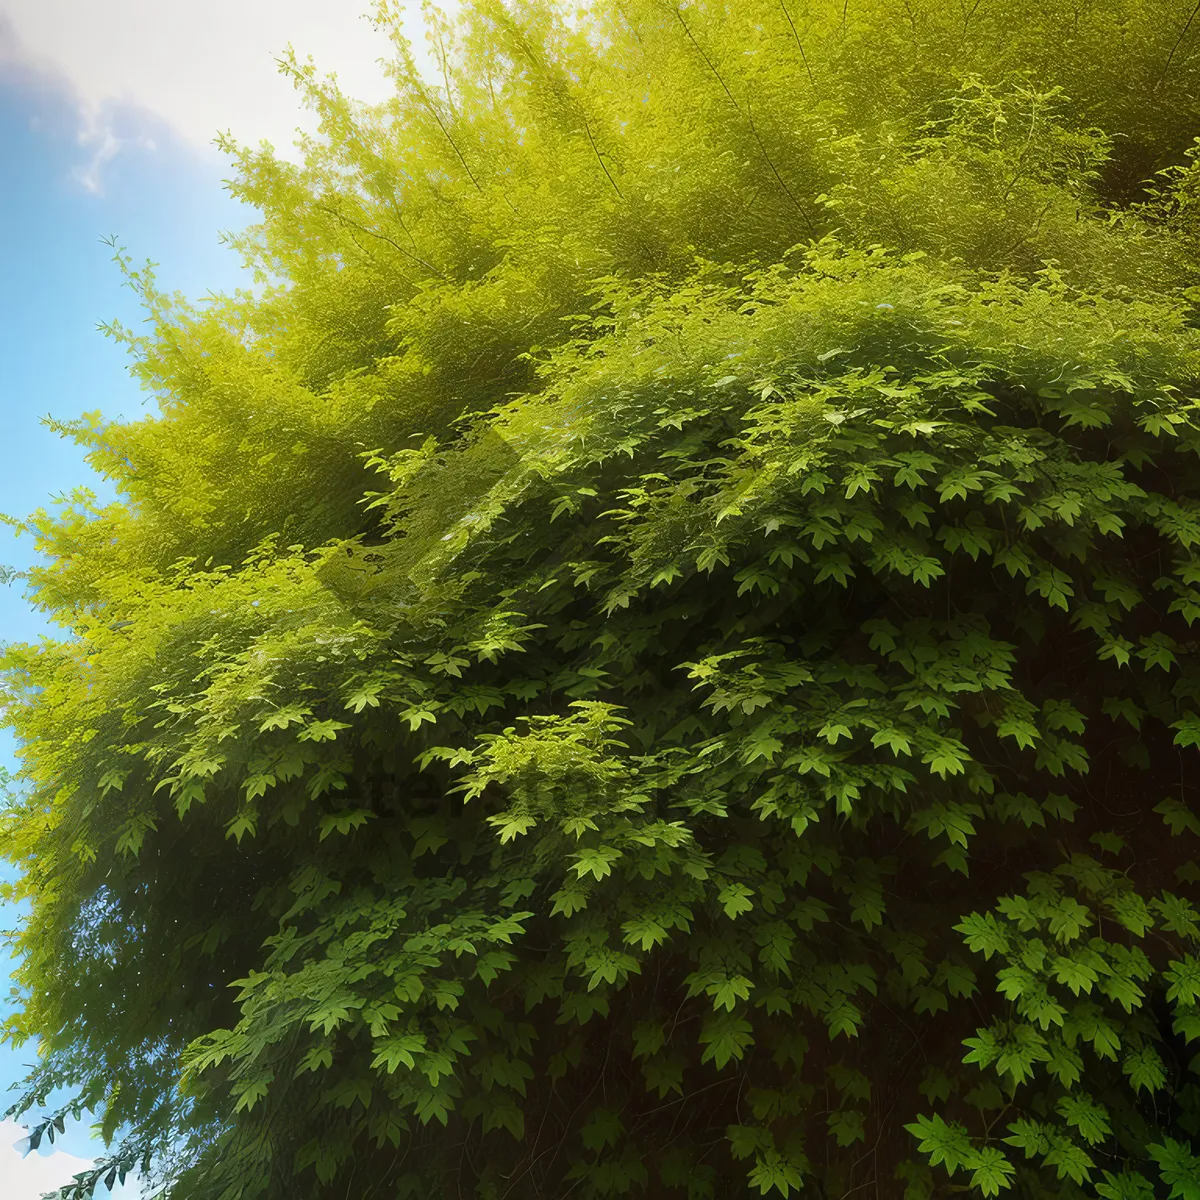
<point>653,656</point>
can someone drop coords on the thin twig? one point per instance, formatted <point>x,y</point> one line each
<point>786,190</point>
<point>762,148</point>
<point>596,150</point>
<point>383,237</point>
<point>453,144</point>
<point>799,44</point>
<point>1178,41</point>
<point>446,72</point>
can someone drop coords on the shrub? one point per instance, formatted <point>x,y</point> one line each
<point>652,657</point>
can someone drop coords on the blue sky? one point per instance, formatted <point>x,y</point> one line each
<point>165,203</point>
<point>107,112</point>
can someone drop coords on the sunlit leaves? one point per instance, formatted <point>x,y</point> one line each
<point>601,662</point>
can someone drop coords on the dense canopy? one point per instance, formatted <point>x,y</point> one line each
<point>653,654</point>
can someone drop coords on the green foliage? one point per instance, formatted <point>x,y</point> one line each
<point>654,657</point>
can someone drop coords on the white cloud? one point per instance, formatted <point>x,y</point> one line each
<point>107,145</point>
<point>29,1177</point>
<point>199,68</point>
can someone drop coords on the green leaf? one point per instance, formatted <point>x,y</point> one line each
<point>991,1172</point>
<point>398,1051</point>
<point>1085,1115</point>
<point>1178,1168</point>
<point>343,822</point>
<point>945,1145</point>
<point>725,1039</point>
<point>595,861</point>
<point>774,1173</point>
<point>735,899</point>
<point>846,1127</point>
<point>1145,1069</point>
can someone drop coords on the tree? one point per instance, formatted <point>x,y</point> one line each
<point>653,656</point>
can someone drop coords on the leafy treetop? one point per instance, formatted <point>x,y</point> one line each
<point>653,655</point>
